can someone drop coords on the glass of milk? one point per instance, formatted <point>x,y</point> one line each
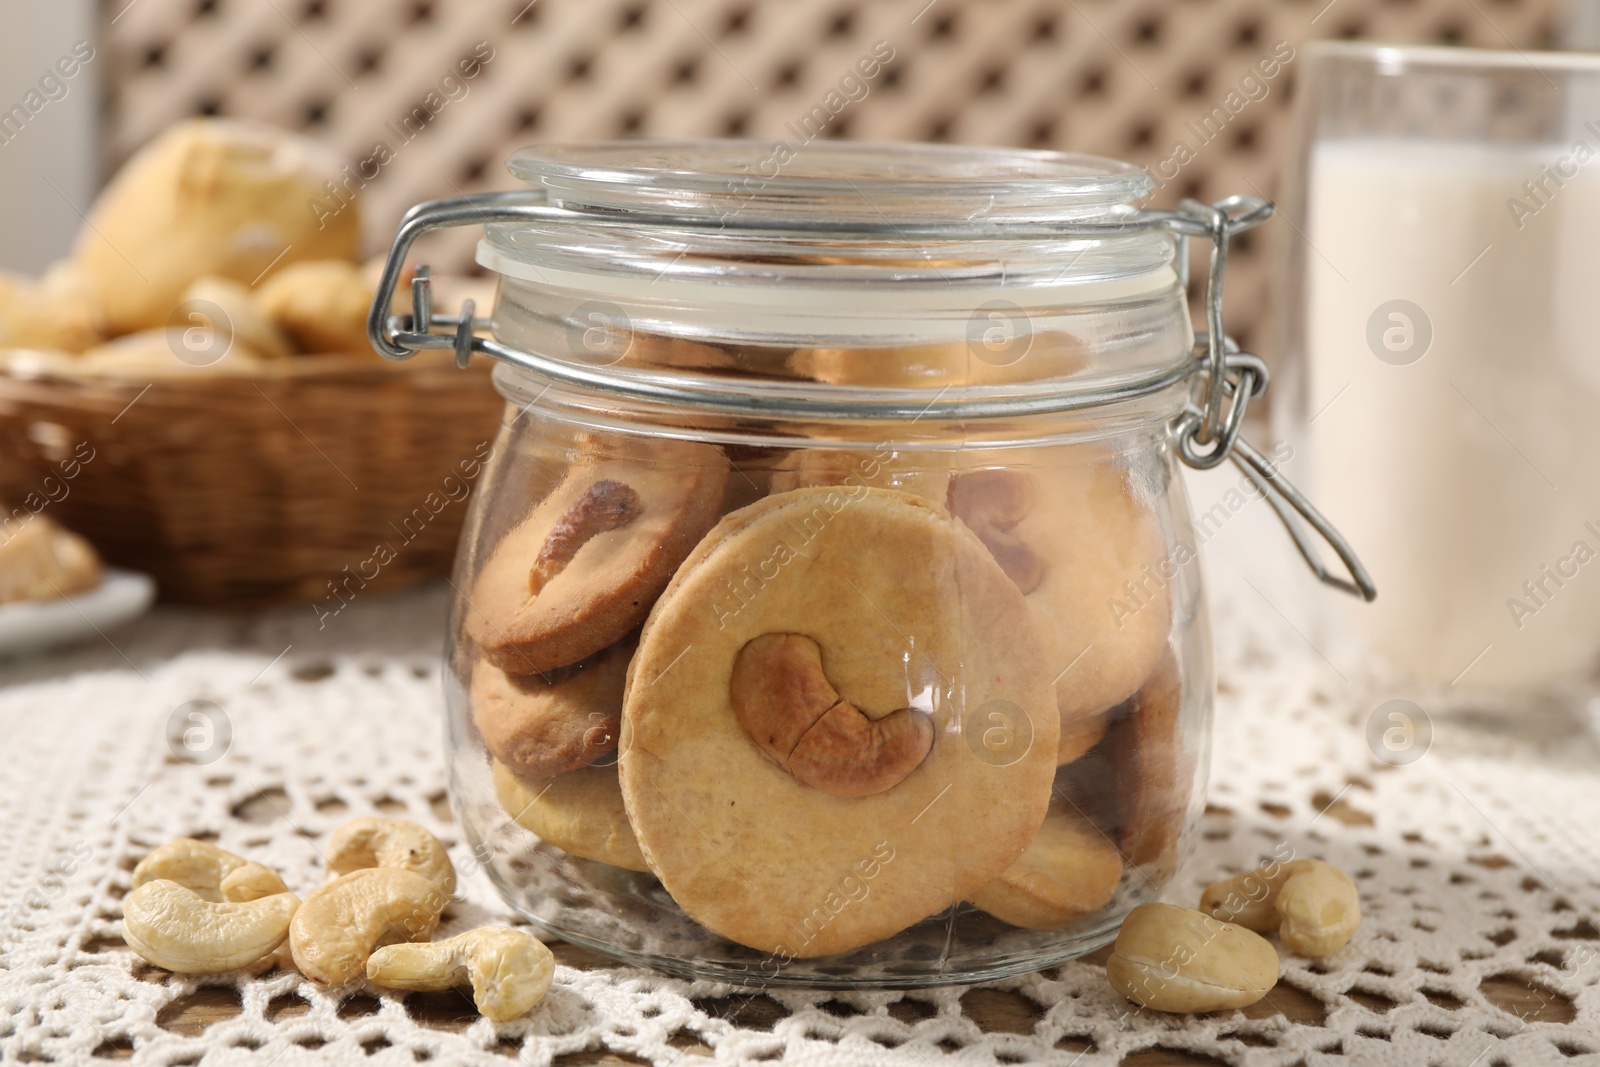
<point>1444,339</point>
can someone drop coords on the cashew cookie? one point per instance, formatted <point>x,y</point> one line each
<point>585,567</point>
<point>1136,784</point>
<point>578,812</point>
<point>924,474</point>
<point>796,759</point>
<point>1071,870</point>
<point>1155,769</point>
<point>1086,551</point>
<point>542,725</point>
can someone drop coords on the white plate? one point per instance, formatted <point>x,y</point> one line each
<point>29,625</point>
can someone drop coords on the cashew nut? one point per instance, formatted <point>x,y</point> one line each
<point>214,874</point>
<point>340,924</point>
<point>1313,905</point>
<point>172,926</point>
<point>784,701</point>
<point>1175,959</point>
<point>374,842</point>
<point>510,971</point>
<point>991,503</point>
<point>605,505</point>
<point>1321,910</point>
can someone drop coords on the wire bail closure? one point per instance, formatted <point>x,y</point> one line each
<point>1223,379</point>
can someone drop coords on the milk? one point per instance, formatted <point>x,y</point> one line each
<point>1468,480</point>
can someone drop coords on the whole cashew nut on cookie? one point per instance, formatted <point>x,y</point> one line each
<point>991,503</point>
<point>509,971</point>
<point>786,704</point>
<point>606,505</point>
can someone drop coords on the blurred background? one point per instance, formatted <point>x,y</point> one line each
<point>1180,87</point>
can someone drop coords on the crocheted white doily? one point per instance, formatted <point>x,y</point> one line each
<point>1479,866</point>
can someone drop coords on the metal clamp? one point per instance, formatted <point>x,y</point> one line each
<point>1223,379</point>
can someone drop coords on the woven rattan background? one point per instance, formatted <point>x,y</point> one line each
<point>1115,77</point>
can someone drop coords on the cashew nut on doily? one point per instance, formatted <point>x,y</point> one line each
<point>214,874</point>
<point>172,926</point>
<point>509,971</point>
<point>1313,905</point>
<point>374,842</point>
<point>340,924</point>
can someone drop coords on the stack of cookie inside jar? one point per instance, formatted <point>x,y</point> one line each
<point>778,667</point>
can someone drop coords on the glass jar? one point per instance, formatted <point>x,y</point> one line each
<point>830,612</point>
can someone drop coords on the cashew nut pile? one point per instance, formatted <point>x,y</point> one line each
<point>198,909</point>
<point>1181,960</point>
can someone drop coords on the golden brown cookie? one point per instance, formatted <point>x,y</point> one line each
<point>210,196</point>
<point>996,356</point>
<point>578,812</point>
<point>1088,554</point>
<point>924,474</point>
<point>1153,766</point>
<point>585,567</point>
<point>1079,735</point>
<point>881,638</point>
<point>1071,870</point>
<point>544,725</point>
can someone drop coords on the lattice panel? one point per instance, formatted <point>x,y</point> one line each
<point>1115,77</point>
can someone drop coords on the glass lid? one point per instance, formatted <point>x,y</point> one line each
<point>838,181</point>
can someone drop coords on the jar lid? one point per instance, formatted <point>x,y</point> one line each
<point>831,181</point>
<point>703,230</point>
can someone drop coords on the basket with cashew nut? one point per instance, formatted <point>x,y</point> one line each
<point>758,707</point>
<point>198,909</point>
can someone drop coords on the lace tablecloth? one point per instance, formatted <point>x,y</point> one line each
<point>1478,863</point>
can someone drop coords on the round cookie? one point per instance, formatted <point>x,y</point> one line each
<point>910,619</point>
<point>579,812</point>
<point>1154,769</point>
<point>1071,870</point>
<point>1079,735</point>
<point>1077,540</point>
<point>998,355</point>
<point>544,725</point>
<point>924,474</point>
<point>586,565</point>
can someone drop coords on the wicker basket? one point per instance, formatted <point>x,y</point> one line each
<point>318,482</point>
